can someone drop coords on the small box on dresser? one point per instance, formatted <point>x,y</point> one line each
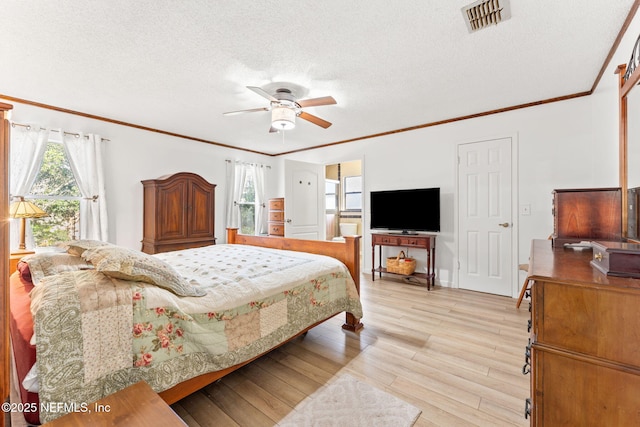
<point>617,258</point>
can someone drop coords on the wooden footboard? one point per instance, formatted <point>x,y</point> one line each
<point>348,252</point>
<point>188,387</point>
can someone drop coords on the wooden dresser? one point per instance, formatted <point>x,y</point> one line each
<point>276,217</point>
<point>584,350</point>
<point>179,212</point>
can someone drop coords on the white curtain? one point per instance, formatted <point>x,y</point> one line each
<point>27,147</point>
<point>236,175</point>
<point>261,202</point>
<point>236,180</point>
<point>85,159</point>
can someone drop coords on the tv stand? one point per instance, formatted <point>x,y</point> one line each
<point>418,241</point>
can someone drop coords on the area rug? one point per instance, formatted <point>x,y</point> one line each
<point>349,402</point>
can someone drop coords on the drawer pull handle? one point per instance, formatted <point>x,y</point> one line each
<point>598,256</point>
<point>527,408</point>
<point>527,359</point>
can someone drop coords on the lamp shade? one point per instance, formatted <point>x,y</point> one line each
<point>283,118</point>
<point>25,209</point>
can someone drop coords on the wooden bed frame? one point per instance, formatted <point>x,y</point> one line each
<point>347,252</point>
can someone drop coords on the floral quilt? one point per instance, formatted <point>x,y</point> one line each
<point>96,334</point>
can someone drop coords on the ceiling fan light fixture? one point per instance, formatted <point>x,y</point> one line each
<point>283,118</point>
<point>285,108</point>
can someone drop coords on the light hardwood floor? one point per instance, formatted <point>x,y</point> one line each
<point>457,355</point>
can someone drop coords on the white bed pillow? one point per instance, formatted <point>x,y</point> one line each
<point>77,247</point>
<point>128,264</point>
<point>50,263</point>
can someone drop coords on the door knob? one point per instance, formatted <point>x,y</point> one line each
<point>288,221</point>
<point>504,224</point>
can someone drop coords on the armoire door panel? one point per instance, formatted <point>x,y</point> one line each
<point>172,205</point>
<point>201,204</point>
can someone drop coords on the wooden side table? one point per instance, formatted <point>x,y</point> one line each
<point>419,241</point>
<point>137,405</point>
<point>14,258</point>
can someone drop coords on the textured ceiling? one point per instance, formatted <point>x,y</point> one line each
<point>177,66</point>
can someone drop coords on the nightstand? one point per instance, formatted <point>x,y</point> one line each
<point>15,257</point>
<point>137,405</point>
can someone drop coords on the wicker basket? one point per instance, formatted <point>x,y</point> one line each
<point>401,264</point>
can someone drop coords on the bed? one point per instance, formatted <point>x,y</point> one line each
<point>100,325</point>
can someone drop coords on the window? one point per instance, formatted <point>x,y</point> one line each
<point>55,191</point>
<point>353,193</point>
<point>331,195</point>
<point>245,197</point>
<point>247,205</point>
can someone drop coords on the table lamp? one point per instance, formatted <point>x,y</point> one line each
<point>24,209</point>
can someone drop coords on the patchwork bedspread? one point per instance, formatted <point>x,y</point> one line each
<point>96,335</point>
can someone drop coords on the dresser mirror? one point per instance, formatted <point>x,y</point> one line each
<point>633,164</point>
<point>629,77</point>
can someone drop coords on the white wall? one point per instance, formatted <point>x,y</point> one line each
<point>132,155</point>
<point>557,147</point>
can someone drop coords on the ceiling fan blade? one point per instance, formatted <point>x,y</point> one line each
<point>262,93</point>
<point>315,102</point>
<point>252,110</point>
<point>315,120</point>
<point>272,130</point>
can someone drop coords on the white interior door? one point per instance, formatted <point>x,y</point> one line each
<point>484,216</point>
<point>304,200</point>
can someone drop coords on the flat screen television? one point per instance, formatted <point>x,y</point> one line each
<point>406,211</point>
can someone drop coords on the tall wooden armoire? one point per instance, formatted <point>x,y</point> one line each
<point>179,212</point>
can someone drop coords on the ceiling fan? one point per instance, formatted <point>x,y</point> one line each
<point>285,108</point>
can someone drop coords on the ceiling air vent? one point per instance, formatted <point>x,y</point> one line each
<point>482,13</point>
